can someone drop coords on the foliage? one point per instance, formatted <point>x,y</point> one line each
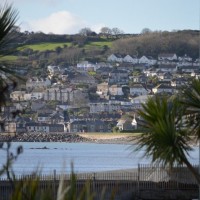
<point>154,43</point>
<point>8,18</point>
<point>115,129</point>
<point>191,99</point>
<point>165,139</point>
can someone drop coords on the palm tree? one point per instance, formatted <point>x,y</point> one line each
<point>8,18</point>
<point>191,99</point>
<point>165,139</point>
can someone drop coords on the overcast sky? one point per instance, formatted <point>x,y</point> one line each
<point>131,16</point>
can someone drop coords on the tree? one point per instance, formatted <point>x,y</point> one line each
<point>165,139</point>
<point>106,31</point>
<point>146,31</point>
<point>85,31</point>
<point>8,18</point>
<point>191,99</point>
<point>116,32</point>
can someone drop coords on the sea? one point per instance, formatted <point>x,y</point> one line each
<point>48,157</point>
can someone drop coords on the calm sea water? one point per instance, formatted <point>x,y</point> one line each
<point>86,157</point>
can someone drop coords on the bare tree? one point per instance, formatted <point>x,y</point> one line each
<point>116,31</point>
<point>106,31</point>
<point>146,31</point>
<point>85,31</point>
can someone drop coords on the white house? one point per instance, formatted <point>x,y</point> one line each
<point>185,58</point>
<point>138,101</point>
<point>52,70</point>
<point>167,56</point>
<point>137,90</point>
<point>86,66</point>
<point>115,58</point>
<point>35,82</point>
<point>163,89</point>
<point>130,59</point>
<point>168,68</point>
<point>147,60</point>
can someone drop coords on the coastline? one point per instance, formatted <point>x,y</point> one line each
<point>101,138</point>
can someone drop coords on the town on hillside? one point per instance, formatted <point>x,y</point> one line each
<point>94,97</point>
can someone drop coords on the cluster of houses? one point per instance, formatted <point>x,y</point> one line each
<point>94,97</point>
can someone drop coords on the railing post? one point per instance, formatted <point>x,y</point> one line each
<point>54,184</point>
<point>93,183</point>
<point>138,180</point>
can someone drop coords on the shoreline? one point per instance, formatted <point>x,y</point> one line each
<point>99,138</point>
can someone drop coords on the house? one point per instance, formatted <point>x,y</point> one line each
<point>58,118</point>
<point>168,68</point>
<point>83,78</point>
<point>118,77</point>
<point>102,90</point>
<point>43,118</point>
<point>138,101</point>
<point>35,82</point>
<point>37,93</point>
<point>115,90</point>
<point>88,126</point>
<point>130,59</point>
<point>100,107</point>
<point>196,62</point>
<point>138,90</point>
<point>104,72</point>
<point>127,124</point>
<point>164,76</point>
<point>21,124</point>
<point>68,95</point>
<point>179,82</point>
<point>167,56</point>
<point>44,127</point>
<point>10,127</point>
<point>147,60</point>
<point>139,79</point>
<point>58,94</point>
<point>129,67</point>
<point>161,88</point>
<point>53,70</point>
<point>189,69</point>
<point>85,66</point>
<point>18,96</point>
<point>56,128</point>
<point>184,58</point>
<point>115,58</point>
<point>150,72</point>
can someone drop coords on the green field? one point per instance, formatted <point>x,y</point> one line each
<point>98,45</point>
<point>45,46</point>
<point>9,58</point>
<point>53,46</point>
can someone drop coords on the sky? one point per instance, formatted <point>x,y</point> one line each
<point>130,16</point>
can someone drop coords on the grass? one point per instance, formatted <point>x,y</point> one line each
<point>45,46</point>
<point>53,46</point>
<point>99,45</point>
<point>8,58</point>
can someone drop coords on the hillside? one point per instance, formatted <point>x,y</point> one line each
<point>39,49</point>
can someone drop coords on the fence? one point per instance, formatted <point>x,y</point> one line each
<point>141,182</point>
